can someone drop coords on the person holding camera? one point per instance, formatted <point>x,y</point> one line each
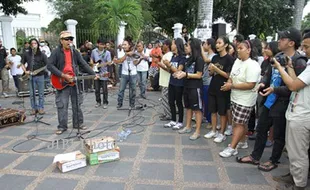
<point>298,119</point>
<point>276,101</point>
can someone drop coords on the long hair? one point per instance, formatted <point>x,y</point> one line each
<point>129,40</point>
<point>273,46</point>
<point>226,41</point>
<point>37,51</point>
<point>258,44</point>
<point>180,46</point>
<point>211,43</point>
<point>249,45</point>
<point>195,45</point>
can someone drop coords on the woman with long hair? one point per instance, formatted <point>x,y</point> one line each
<point>219,101</point>
<point>192,87</point>
<point>35,59</point>
<point>175,89</point>
<point>129,74</point>
<point>245,75</point>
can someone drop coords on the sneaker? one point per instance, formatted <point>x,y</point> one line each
<point>228,131</point>
<point>211,134</point>
<point>194,136</point>
<point>228,152</point>
<point>177,126</point>
<point>5,95</point>
<point>269,143</point>
<point>119,106</point>
<point>243,145</point>
<point>185,130</point>
<point>290,187</point>
<point>97,105</point>
<point>170,124</point>
<point>105,106</point>
<point>220,138</point>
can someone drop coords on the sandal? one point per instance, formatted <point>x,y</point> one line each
<point>251,161</point>
<point>60,131</point>
<point>267,166</point>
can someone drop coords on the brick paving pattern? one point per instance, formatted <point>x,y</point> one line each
<point>156,158</point>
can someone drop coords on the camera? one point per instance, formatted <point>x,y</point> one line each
<point>281,58</point>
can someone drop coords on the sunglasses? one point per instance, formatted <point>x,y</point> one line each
<point>68,38</point>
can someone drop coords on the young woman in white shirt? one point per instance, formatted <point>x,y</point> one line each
<point>244,76</point>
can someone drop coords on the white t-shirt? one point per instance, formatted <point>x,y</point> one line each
<point>16,60</point>
<point>164,76</point>
<point>46,50</point>
<point>299,106</point>
<point>120,53</point>
<point>245,71</point>
<point>129,62</point>
<point>147,53</point>
<point>143,66</point>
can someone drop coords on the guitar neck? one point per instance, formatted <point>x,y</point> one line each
<point>85,77</point>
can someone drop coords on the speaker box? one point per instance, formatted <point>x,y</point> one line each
<point>218,30</point>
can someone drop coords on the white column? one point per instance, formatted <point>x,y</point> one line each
<point>121,32</point>
<point>205,15</point>
<point>71,27</point>
<point>269,39</point>
<point>7,32</point>
<point>252,36</point>
<point>177,28</point>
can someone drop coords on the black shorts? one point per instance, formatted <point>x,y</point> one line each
<point>218,104</point>
<point>192,98</point>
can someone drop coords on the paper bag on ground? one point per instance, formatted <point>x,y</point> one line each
<point>99,144</point>
<point>70,161</point>
<point>103,157</point>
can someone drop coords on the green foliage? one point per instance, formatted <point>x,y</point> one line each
<point>306,22</point>
<point>12,6</point>
<point>102,15</point>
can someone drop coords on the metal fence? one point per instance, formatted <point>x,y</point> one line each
<point>22,35</point>
<point>92,35</point>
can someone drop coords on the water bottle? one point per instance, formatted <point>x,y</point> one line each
<point>122,135</point>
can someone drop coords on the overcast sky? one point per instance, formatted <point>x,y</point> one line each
<point>47,15</point>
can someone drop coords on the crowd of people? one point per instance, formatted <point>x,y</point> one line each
<point>249,89</point>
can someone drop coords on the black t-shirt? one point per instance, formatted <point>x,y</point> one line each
<point>224,63</point>
<point>192,68</point>
<point>176,61</point>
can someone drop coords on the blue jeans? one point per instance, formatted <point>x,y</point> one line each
<point>206,112</point>
<point>142,81</point>
<point>38,82</point>
<point>132,80</point>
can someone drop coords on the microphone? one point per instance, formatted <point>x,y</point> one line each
<point>71,46</point>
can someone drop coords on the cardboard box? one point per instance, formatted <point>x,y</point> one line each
<point>70,161</point>
<point>99,144</point>
<point>103,157</point>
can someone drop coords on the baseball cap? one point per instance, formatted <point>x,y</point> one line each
<point>291,33</point>
<point>65,34</point>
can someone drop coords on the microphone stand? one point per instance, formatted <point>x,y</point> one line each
<point>79,135</point>
<point>36,119</point>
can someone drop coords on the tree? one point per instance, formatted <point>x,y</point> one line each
<point>306,22</point>
<point>13,6</point>
<point>116,11</point>
<point>299,7</point>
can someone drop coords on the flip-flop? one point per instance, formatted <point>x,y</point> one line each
<point>252,161</point>
<point>267,167</point>
<point>60,131</point>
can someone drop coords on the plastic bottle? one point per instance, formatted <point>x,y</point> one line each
<point>123,134</point>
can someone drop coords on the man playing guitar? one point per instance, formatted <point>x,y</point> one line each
<point>63,61</point>
<point>102,56</point>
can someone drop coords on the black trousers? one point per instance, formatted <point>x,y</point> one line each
<point>264,124</point>
<point>104,85</point>
<point>251,124</point>
<point>175,94</point>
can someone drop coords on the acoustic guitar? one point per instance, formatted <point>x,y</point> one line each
<point>60,83</point>
<point>34,73</point>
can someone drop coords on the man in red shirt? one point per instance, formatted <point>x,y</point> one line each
<point>63,61</point>
<point>156,54</point>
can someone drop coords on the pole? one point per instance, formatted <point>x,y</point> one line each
<point>238,18</point>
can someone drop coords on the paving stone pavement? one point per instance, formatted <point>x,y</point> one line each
<point>151,158</point>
